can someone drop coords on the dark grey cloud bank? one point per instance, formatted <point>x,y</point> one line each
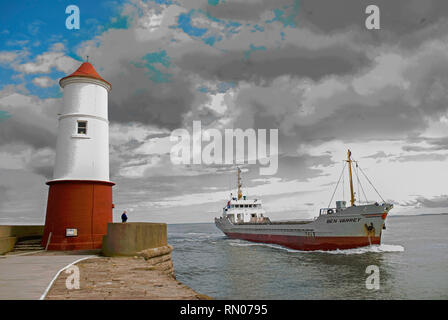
<point>399,16</point>
<point>264,65</point>
<point>136,98</point>
<point>432,203</point>
<point>14,131</point>
<point>166,105</point>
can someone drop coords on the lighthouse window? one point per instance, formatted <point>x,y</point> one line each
<point>82,127</point>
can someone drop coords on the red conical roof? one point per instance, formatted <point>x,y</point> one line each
<point>86,70</point>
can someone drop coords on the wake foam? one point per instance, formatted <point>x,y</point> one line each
<point>382,248</point>
<point>375,248</point>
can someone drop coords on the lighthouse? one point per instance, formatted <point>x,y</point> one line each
<point>79,203</point>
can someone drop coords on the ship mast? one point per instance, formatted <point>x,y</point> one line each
<point>240,194</point>
<point>352,194</point>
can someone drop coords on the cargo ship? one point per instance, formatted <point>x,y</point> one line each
<point>339,227</point>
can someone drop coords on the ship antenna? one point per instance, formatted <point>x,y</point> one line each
<point>240,194</point>
<point>371,184</point>
<point>352,194</point>
<point>339,180</point>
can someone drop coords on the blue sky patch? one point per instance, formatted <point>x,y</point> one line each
<point>288,20</point>
<point>151,60</point>
<point>41,25</point>
<point>208,36</point>
<point>230,26</point>
<point>119,22</point>
<point>184,23</point>
<point>165,2</point>
<point>253,48</point>
<point>221,87</point>
<point>225,86</point>
<point>214,2</point>
<point>4,115</point>
<point>257,28</point>
<point>211,40</point>
<point>203,89</point>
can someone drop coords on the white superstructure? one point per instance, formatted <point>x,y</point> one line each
<point>239,209</point>
<point>244,210</point>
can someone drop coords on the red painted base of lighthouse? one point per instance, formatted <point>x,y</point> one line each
<point>77,204</point>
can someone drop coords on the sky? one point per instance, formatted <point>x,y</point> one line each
<point>308,68</point>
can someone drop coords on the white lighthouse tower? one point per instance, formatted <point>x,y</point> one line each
<point>80,195</point>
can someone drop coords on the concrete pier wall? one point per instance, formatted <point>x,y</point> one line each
<point>7,244</point>
<point>128,239</point>
<point>9,235</point>
<point>21,231</point>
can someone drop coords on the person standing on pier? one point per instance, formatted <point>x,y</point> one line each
<point>124,217</point>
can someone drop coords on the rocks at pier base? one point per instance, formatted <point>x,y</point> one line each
<point>140,239</point>
<point>159,259</point>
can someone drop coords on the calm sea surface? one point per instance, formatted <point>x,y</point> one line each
<point>412,261</point>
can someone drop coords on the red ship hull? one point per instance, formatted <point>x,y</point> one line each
<point>308,243</point>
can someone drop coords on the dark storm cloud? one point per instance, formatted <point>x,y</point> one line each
<point>295,167</point>
<point>409,22</point>
<point>135,97</point>
<point>415,148</point>
<point>130,145</point>
<point>206,115</point>
<point>245,10</point>
<point>3,195</point>
<point>392,113</point>
<point>360,122</point>
<point>15,131</point>
<point>126,157</point>
<point>422,157</point>
<point>264,65</point>
<point>302,167</point>
<point>41,162</point>
<point>158,188</point>
<point>439,143</point>
<point>44,170</point>
<point>435,202</point>
<point>398,17</point>
<point>434,144</point>
<point>379,155</point>
<point>157,135</point>
<point>431,87</point>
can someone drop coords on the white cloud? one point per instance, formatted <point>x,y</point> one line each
<point>55,58</point>
<point>7,56</point>
<point>44,82</point>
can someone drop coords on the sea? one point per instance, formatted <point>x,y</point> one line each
<point>411,263</point>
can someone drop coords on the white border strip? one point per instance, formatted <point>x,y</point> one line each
<point>42,297</point>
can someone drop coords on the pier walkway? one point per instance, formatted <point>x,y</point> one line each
<point>25,277</point>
